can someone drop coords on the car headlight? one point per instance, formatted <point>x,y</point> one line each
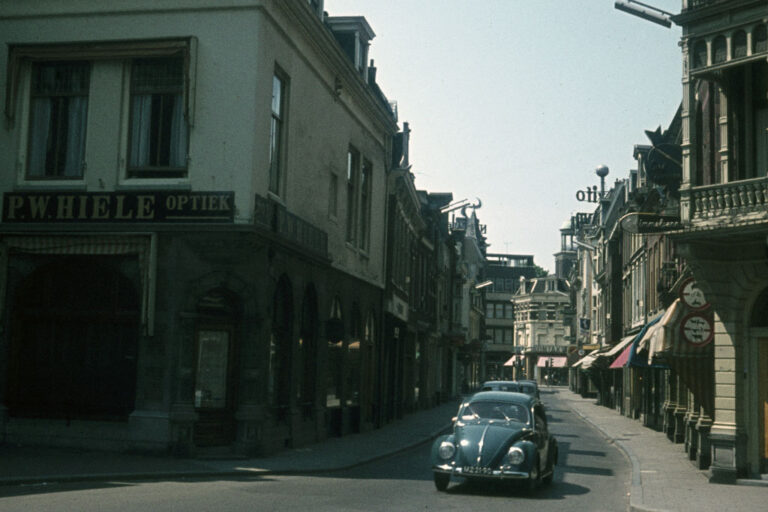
<point>446,450</point>
<point>515,455</point>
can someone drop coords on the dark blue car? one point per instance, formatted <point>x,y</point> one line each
<point>497,435</point>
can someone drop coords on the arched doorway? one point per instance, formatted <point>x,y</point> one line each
<point>307,353</point>
<point>74,331</point>
<point>281,350</point>
<point>215,371</point>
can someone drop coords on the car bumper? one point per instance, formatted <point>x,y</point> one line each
<point>503,474</point>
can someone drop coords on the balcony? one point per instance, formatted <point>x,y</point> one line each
<point>735,204</point>
<point>697,4</point>
<point>290,228</point>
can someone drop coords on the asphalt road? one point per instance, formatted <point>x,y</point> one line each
<point>592,476</point>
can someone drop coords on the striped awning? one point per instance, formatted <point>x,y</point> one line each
<point>514,359</point>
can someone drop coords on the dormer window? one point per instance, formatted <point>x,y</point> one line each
<point>354,35</point>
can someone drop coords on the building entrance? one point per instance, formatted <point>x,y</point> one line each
<point>214,393</point>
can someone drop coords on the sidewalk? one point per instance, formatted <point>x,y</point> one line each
<point>662,476</point>
<point>31,465</point>
<point>663,479</point>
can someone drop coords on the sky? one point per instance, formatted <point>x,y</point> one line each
<point>517,102</point>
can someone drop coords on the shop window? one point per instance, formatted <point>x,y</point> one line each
<point>73,339</point>
<point>335,335</point>
<point>280,349</point>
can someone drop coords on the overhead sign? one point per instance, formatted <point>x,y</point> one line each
<point>116,207</point>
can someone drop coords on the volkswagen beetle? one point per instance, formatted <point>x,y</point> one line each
<point>497,435</point>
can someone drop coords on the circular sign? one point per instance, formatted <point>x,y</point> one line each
<point>697,329</point>
<point>692,295</point>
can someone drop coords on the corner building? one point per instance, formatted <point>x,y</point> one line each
<point>192,235</point>
<point>723,212</point>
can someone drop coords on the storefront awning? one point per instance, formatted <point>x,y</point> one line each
<point>604,359</point>
<point>587,361</point>
<point>661,335</point>
<point>554,362</point>
<point>621,361</point>
<point>638,356</point>
<point>514,359</point>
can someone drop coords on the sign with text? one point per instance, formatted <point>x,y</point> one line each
<point>143,206</point>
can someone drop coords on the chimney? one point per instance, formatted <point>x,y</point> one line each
<point>406,143</point>
<point>371,73</point>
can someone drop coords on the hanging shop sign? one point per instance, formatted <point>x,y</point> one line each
<point>692,296</point>
<point>117,207</point>
<point>697,329</point>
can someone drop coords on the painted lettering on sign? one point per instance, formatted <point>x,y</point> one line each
<point>589,195</point>
<point>159,206</point>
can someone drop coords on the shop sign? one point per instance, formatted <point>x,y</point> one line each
<point>116,207</point>
<point>648,223</point>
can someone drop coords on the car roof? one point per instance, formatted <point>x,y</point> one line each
<point>503,396</point>
<point>499,382</point>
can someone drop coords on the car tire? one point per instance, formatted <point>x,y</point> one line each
<point>441,481</point>
<point>535,477</point>
<point>551,474</point>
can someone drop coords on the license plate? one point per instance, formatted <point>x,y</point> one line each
<point>476,470</point>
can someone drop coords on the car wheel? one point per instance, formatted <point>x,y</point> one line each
<point>535,477</point>
<point>551,475</point>
<point>441,480</point>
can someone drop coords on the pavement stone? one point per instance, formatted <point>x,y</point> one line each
<point>663,479</point>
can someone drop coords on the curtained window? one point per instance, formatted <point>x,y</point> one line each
<point>158,132</point>
<point>58,111</point>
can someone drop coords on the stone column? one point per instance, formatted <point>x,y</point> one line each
<point>691,420</point>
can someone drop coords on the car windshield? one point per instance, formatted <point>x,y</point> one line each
<point>491,410</point>
<point>506,386</point>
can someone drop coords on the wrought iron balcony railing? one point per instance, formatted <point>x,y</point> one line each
<point>289,227</point>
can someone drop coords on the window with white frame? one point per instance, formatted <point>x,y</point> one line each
<point>333,195</point>
<point>276,129</point>
<point>353,169</point>
<point>366,176</point>
<point>57,120</point>
<point>158,132</point>
<point>56,82</point>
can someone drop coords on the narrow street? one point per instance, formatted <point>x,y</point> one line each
<point>592,475</point>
